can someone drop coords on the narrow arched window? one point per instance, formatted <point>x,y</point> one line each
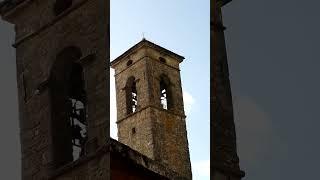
<point>165,92</point>
<point>131,95</point>
<point>68,107</point>
<point>77,110</point>
<point>163,97</point>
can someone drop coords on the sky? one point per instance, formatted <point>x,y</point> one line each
<point>273,54</point>
<point>9,130</point>
<point>182,27</point>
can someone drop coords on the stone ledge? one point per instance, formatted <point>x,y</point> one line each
<point>119,149</point>
<point>151,106</point>
<point>7,5</point>
<point>147,43</point>
<point>48,25</point>
<point>228,170</point>
<point>223,2</point>
<point>70,166</point>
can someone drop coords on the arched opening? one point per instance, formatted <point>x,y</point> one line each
<point>165,93</point>
<point>129,62</point>
<point>68,107</point>
<point>77,110</point>
<point>163,60</point>
<point>131,95</point>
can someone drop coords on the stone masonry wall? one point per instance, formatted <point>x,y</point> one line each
<point>95,168</point>
<point>170,134</point>
<point>40,37</point>
<point>224,158</point>
<point>142,139</point>
<point>157,133</point>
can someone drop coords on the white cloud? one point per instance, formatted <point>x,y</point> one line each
<point>188,102</point>
<point>113,108</point>
<point>201,170</point>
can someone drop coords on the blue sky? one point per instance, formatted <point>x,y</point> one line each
<point>182,27</point>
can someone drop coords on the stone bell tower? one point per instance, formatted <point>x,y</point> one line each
<point>62,47</point>
<point>150,112</point>
<point>224,158</point>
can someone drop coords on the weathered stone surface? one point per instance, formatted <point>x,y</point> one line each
<point>158,133</point>
<point>40,37</point>
<point>224,158</point>
<point>127,163</point>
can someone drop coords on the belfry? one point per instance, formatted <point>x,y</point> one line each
<point>150,109</point>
